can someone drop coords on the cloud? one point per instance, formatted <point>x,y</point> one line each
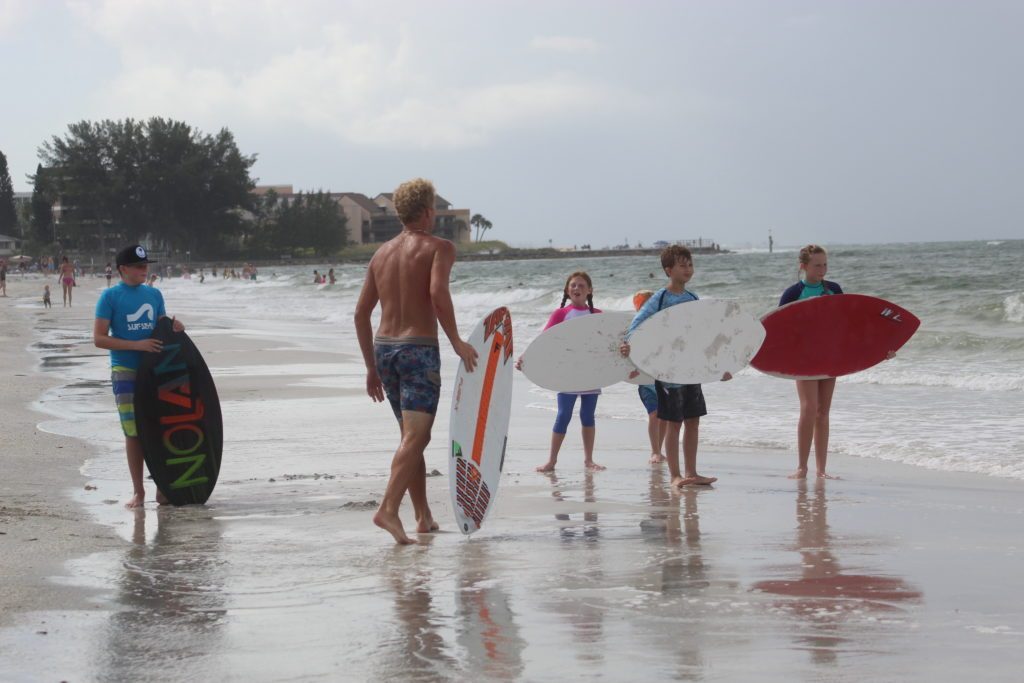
<point>349,73</point>
<point>12,14</point>
<point>568,44</point>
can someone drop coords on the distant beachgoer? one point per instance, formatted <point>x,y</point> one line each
<point>3,278</point>
<point>126,316</point>
<point>409,277</point>
<point>66,274</point>
<point>46,296</point>
<point>580,291</point>
<point>317,278</point>
<point>152,279</point>
<point>680,406</point>
<point>330,276</point>
<point>109,272</point>
<point>656,428</point>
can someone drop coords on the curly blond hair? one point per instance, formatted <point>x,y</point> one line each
<point>412,198</point>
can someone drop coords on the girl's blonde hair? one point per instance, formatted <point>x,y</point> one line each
<point>590,297</point>
<point>806,253</point>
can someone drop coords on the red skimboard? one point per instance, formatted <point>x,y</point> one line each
<point>831,336</point>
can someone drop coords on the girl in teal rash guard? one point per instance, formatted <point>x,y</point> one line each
<point>815,394</point>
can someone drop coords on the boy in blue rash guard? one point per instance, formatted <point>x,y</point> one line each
<point>679,405</point>
<point>126,316</point>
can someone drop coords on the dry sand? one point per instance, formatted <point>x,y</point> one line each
<point>892,573</point>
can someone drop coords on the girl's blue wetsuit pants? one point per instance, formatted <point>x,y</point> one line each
<point>566,403</point>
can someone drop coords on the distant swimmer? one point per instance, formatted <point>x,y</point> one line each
<point>409,277</point>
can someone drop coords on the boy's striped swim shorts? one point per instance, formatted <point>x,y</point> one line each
<point>123,380</point>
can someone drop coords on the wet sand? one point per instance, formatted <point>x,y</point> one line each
<point>891,573</point>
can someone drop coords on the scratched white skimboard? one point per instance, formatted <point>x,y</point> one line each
<point>582,353</point>
<point>481,403</point>
<point>696,342</point>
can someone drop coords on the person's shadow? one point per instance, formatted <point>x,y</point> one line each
<point>823,594</point>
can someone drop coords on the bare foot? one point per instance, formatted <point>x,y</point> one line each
<point>694,480</point>
<point>426,525</point>
<point>799,474</point>
<point>161,499</point>
<point>393,525</point>
<point>549,466</point>
<point>657,458</point>
<point>136,501</point>
<point>594,467</point>
<point>822,475</point>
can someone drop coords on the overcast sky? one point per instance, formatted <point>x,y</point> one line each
<point>589,121</point>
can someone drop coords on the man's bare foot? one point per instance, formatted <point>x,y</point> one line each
<point>594,467</point>
<point>136,501</point>
<point>694,480</point>
<point>393,525</point>
<point>657,458</point>
<point>799,474</point>
<point>161,499</point>
<point>549,466</point>
<point>822,475</point>
<point>426,525</point>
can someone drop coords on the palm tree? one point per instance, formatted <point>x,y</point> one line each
<point>485,225</point>
<point>477,220</point>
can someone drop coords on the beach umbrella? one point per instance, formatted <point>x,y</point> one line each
<point>19,259</point>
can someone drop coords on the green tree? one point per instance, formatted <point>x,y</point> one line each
<point>8,214</point>
<point>42,208</point>
<point>160,178</point>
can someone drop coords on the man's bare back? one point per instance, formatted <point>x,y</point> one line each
<point>402,271</point>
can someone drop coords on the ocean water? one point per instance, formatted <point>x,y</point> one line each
<point>952,399</point>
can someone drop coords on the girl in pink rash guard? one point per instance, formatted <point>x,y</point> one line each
<point>579,290</point>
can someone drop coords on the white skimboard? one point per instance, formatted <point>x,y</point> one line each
<point>696,342</point>
<point>481,404</point>
<point>582,354</point>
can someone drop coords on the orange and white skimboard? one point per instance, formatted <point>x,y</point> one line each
<point>481,404</point>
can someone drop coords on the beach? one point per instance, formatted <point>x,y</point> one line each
<point>904,569</point>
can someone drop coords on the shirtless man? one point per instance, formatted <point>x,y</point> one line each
<point>409,277</point>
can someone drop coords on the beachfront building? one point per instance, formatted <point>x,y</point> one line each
<point>375,220</point>
<point>8,245</point>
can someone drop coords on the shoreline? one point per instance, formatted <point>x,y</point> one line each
<point>42,526</point>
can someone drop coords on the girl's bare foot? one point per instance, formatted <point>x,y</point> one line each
<point>657,458</point>
<point>694,480</point>
<point>549,466</point>
<point>799,474</point>
<point>161,498</point>
<point>393,525</point>
<point>822,475</point>
<point>136,501</point>
<point>594,467</point>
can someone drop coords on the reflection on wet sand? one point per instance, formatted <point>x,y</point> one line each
<point>823,595</point>
<point>674,523</point>
<point>485,626</point>
<point>582,572</point>
<point>419,652</point>
<point>171,594</point>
